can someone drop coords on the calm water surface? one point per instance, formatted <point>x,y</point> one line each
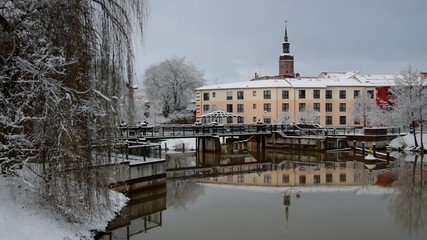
<point>339,200</point>
<point>225,213</point>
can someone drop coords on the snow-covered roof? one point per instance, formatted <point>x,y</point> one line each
<point>325,79</point>
<point>377,80</point>
<point>327,75</point>
<point>249,84</point>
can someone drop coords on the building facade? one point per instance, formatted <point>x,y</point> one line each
<point>271,99</point>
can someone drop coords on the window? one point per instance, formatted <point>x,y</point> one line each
<point>229,120</point>
<point>267,107</point>
<point>267,120</point>
<point>214,94</point>
<point>328,120</point>
<point>267,178</point>
<point>328,107</point>
<point>343,177</point>
<point>229,95</point>
<point>240,119</point>
<point>342,107</point>
<point>205,108</point>
<point>254,106</point>
<point>254,93</point>
<point>240,108</point>
<point>356,121</point>
<point>206,96</point>
<point>343,120</point>
<point>285,178</point>
<point>342,94</point>
<point>370,94</point>
<point>328,94</point>
<point>229,107</point>
<point>301,107</point>
<point>301,94</point>
<point>356,93</point>
<point>316,94</point>
<point>267,94</point>
<point>316,107</point>
<point>254,119</point>
<point>285,94</point>
<point>328,178</point>
<point>302,179</point>
<point>316,179</point>
<point>240,95</point>
<point>285,107</point>
<point>241,178</point>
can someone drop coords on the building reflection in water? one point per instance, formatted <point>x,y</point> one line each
<point>289,169</point>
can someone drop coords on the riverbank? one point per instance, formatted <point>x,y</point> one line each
<point>20,219</point>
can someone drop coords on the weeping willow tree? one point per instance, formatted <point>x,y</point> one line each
<point>64,67</point>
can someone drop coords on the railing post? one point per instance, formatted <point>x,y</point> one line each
<point>173,130</point>
<point>373,149</point>
<point>354,147</point>
<point>363,149</point>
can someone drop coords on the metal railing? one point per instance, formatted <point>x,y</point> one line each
<point>195,130</point>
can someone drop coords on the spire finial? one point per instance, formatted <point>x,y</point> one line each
<point>286,30</point>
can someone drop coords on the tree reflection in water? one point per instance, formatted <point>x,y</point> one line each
<point>409,205</point>
<point>181,193</point>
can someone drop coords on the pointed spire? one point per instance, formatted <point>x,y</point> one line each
<point>286,44</point>
<point>286,60</point>
<point>286,30</point>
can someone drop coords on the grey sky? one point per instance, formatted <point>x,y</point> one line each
<point>230,40</point>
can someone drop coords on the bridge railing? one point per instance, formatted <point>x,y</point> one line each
<point>171,130</point>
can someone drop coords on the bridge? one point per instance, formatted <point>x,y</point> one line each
<point>223,130</point>
<point>309,136</point>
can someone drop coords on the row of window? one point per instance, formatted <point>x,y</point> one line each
<point>316,178</point>
<point>302,178</point>
<point>267,108</point>
<point>285,94</point>
<point>285,107</point>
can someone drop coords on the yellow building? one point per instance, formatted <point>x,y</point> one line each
<point>330,95</point>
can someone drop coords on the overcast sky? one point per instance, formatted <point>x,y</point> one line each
<point>230,40</point>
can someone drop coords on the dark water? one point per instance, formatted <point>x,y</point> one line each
<point>289,199</point>
<point>222,213</point>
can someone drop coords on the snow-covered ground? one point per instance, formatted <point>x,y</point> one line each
<point>407,142</point>
<point>176,144</point>
<point>20,219</point>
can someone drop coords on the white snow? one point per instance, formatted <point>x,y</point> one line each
<point>21,220</point>
<point>407,142</point>
<point>325,79</point>
<point>176,144</point>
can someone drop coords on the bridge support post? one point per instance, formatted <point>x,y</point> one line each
<point>209,144</point>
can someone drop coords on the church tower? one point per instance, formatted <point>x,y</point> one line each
<point>286,60</point>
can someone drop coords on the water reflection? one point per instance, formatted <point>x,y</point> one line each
<point>409,207</point>
<point>143,212</point>
<point>300,195</point>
